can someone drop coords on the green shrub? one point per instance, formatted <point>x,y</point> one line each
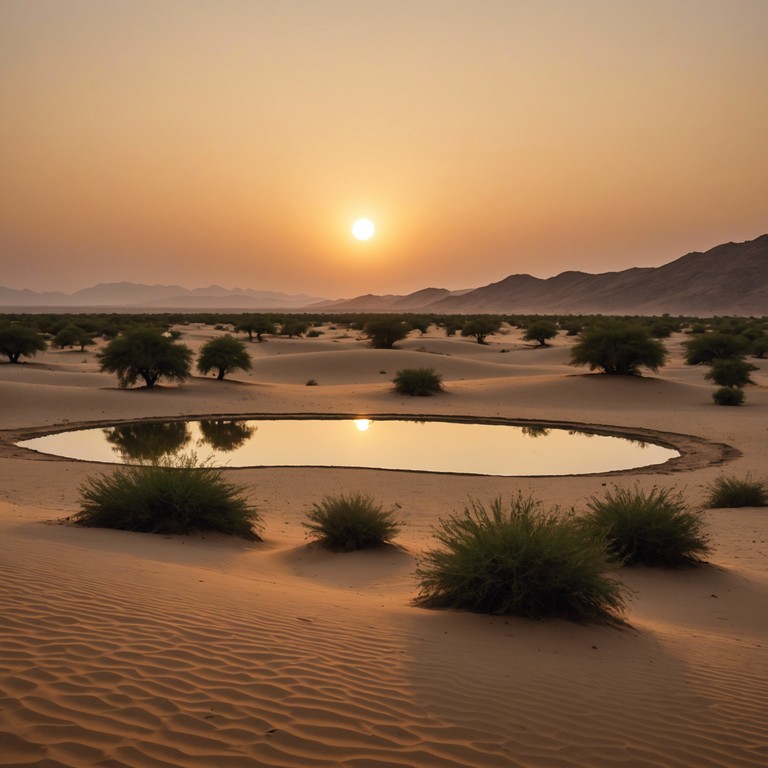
<point>618,348</point>
<point>728,396</point>
<point>418,381</point>
<point>521,561</point>
<point>733,492</point>
<point>346,523</point>
<point>170,496</point>
<point>649,528</point>
<point>730,372</point>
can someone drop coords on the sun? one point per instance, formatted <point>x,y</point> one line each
<point>363,229</point>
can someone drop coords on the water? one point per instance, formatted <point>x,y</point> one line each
<point>401,444</point>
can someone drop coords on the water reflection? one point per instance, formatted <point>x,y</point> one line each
<point>402,444</point>
<point>224,434</point>
<point>148,441</point>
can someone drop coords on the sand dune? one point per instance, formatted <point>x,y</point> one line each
<point>120,649</point>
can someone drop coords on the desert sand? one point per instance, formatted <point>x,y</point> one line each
<point>123,649</point>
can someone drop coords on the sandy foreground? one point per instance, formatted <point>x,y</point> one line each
<point>121,649</point>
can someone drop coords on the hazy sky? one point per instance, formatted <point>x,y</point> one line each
<point>236,141</point>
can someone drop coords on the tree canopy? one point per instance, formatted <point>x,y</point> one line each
<point>618,348</point>
<point>385,330</point>
<point>481,328</point>
<point>147,354</point>
<point>17,340</point>
<point>540,331</point>
<point>225,354</point>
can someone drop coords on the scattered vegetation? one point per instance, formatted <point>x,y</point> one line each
<point>618,348</point>
<point>418,381</point>
<point>311,382</point>
<point>346,523</point>
<point>147,354</point>
<point>223,354</point>
<point>733,492</point>
<point>72,336</point>
<point>171,496</point>
<point>647,527</point>
<point>519,560</point>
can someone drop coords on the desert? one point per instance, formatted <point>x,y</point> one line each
<point>129,649</point>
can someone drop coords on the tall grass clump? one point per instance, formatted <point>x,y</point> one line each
<point>648,527</point>
<point>346,523</point>
<point>169,496</point>
<point>734,492</point>
<point>418,381</point>
<point>519,560</point>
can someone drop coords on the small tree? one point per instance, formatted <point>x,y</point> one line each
<point>293,327</point>
<point>481,328</point>
<point>384,331</point>
<point>145,353</point>
<point>257,325</point>
<point>540,331</point>
<point>72,335</point>
<point>225,354</point>
<point>17,340</point>
<point>730,372</point>
<point>618,348</point>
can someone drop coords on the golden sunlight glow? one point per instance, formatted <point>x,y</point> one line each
<point>363,229</point>
<point>363,424</point>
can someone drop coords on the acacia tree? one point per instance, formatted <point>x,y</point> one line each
<point>145,353</point>
<point>17,340</point>
<point>385,330</point>
<point>540,331</point>
<point>618,348</point>
<point>481,328</point>
<point>225,354</point>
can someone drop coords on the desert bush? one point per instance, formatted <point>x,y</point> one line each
<point>653,527</point>
<point>293,327</point>
<point>418,381</point>
<point>618,348</point>
<point>730,372</point>
<point>223,354</point>
<point>760,346</point>
<point>170,496</point>
<point>311,382</point>
<point>346,523</point>
<point>706,347</point>
<point>728,396</point>
<point>734,492</point>
<point>519,560</point>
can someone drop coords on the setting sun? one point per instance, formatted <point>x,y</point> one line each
<point>363,229</point>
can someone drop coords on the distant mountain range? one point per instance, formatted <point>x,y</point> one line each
<point>157,297</point>
<point>730,279</point>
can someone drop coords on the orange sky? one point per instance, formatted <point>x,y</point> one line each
<point>236,141</point>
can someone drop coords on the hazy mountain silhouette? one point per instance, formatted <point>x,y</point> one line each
<point>730,279</point>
